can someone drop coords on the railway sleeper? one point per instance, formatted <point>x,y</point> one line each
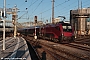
<point>60,54</point>
<point>74,54</point>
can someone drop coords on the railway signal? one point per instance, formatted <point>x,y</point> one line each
<point>3,14</point>
<point>13,19</point>
<point>25,0</point>
<point>35,19</point>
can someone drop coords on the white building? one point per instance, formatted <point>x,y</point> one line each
<point>56,20</point>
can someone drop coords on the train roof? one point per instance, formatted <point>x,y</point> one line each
<point>34,27</point>
<point>31,27</point>
<point>63,23</point>
<point>5,26</point>
<point>53,25</point>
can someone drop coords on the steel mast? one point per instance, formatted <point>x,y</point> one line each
<point>52,11</point>
<point>4,24</point>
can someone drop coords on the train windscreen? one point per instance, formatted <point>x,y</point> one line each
<point>67,28</point>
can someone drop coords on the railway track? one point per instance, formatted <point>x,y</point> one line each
<point>83,41</point>
<point>79,46</point>
<point>33,53</point>
<point>71,51</point>
<point>63,54</point>
<point>53,54</point>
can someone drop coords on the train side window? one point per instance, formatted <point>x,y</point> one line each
<point>67,28</point>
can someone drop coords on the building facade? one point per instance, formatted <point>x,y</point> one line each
<point>79,20</point>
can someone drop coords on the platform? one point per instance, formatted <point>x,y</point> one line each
<point>15,49</point>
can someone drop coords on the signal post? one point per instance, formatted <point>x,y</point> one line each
<point>35,19</point>
<point>14,20</point>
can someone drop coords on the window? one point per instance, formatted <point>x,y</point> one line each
<point>67,28</point>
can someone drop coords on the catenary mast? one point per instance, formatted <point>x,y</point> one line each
<point>52,11</point>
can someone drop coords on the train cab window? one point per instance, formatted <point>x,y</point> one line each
<point>67,28</point>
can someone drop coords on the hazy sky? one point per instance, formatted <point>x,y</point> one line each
<point>43,8</point>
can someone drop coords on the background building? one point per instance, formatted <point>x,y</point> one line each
<point>56,20</point>
<point>79,19</point>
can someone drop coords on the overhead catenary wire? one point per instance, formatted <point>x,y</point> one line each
<point>27,8</point>
<point>32,4</point>
<point>68,13</point>
<point>40,3</point>
<point>69,8</point>
<point>36,7</point>
<point>55,7</point>
<point>65,8</point>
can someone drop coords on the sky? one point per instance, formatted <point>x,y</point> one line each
<point>43,8</point>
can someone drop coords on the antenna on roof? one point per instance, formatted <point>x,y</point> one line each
<point>62,17</point>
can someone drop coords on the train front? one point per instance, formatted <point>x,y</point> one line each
<point>67,32</point>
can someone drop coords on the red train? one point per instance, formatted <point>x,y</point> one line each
<point>60,31</point>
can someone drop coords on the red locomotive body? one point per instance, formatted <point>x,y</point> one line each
<point>61,31</point>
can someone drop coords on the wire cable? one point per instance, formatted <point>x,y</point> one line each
<point>32,4</point>
<point>37,6</point>
<point>55,6</point>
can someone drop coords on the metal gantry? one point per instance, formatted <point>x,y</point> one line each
<point>3,12</point>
